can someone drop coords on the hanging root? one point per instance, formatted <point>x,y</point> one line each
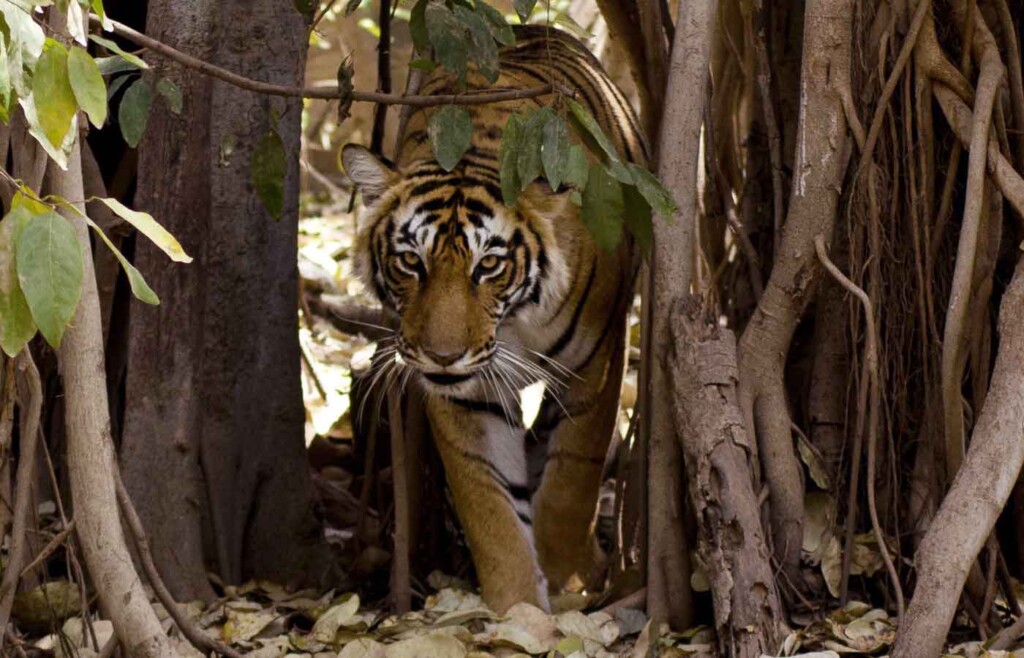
<point>871,361</point>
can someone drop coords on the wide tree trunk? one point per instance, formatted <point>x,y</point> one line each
<point>212,450</point>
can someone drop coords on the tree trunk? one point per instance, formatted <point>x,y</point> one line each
<point>669,279</point>
<point>90,452</point>
<point>212,450</point>
<point>822,151</point>
<point>718,455</point>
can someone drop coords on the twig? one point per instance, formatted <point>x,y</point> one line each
<point>197,637</point>
<point>764,83</point>
<point>7,398</point>
<point>871,357</point>
<point>380,113</point>
<point>401,589</point>
<point>30,400</point>
<point>50,547</point>
<point>875,130</point>
<point>323,12</point>
<point>326,92</point>
<point>636,600</point>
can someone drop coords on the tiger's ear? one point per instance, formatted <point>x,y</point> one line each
<point>372,175</point>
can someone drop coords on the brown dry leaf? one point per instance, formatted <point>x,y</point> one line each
<point>435,645</point>
<point>507,634</point>
<point>244,626</point>
<point>363,648</point>
<point>450,600</point>
<point>537,622</point>
<point>577,624</point>
<point>328,623</point>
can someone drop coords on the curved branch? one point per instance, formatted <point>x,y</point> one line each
<point>963,274</point>
<point>871,365</point>
<point>326,93</point>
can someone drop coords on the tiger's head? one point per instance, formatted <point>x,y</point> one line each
<point>444,252</point>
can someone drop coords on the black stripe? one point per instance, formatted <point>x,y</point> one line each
<point>525,518</point>
<point>570,330</point>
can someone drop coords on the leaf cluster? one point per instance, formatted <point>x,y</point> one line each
<point>41,259</point>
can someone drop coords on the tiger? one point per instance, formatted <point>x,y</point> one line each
<point>490,299</point>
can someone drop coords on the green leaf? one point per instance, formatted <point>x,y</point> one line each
<point>50,272</point>
<point>352,6</point>
<point>603,208</point>
<point>138,284</point>
<point>26,45</point>
<point>268,171</point>
<point>149,227</point>
<point>418,26</point>
<point>58,152</point>
<point>591,132</point>
<point>97,6</point>
<point>16,324</point>
<point>51,88</point>
<point>88,86</point>
<point>423,65</point>
<point>450,130</point>
<point>638,216</point>
<point>659,198</point>
<point>448,37</point>
<point>5,81</point>
<point>116,49</point>
<point>485,51</point>
<point>529,161</point>
<point>133,113</point>
<point>172,93</point>
<point>116,84</point>
<point>508,158</point>
<point>555,151</point>
<point>114,65</point>
<point>501,31</point>
<point>577,168</point>
<point>524,8</point>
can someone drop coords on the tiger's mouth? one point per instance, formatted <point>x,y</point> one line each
<point>446,379</point>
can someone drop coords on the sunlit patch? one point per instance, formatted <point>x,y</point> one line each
<point>530,399</point>
<point>362,358</point>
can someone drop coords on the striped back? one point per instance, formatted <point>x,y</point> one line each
<point>541,55</point>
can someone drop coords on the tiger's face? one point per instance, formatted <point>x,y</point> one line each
<point>442,251</point>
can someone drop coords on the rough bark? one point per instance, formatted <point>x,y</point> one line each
<point>822,152</point>
<point>669,279</point>
<point>214,401</point>
<point>90,451</point>
<point>717,449</point>
<point>978,493</point>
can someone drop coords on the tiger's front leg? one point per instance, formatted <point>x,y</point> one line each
<point>485,464</point>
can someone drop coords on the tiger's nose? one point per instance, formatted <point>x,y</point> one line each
<point>444,359</point>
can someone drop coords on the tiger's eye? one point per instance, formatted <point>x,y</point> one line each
<point>489,262</point>
<point>410,259</point>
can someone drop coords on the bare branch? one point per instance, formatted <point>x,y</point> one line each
<point>327,92</point>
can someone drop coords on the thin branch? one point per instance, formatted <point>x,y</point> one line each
<point>197,637</point>
<point>30,401</point>
<point>401,588</point>
<point>871,358</point>
<point>380,113</point>
<point>50,547</point>
<point>326,92</point>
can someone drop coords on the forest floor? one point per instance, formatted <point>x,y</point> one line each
<point>265,620</point>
